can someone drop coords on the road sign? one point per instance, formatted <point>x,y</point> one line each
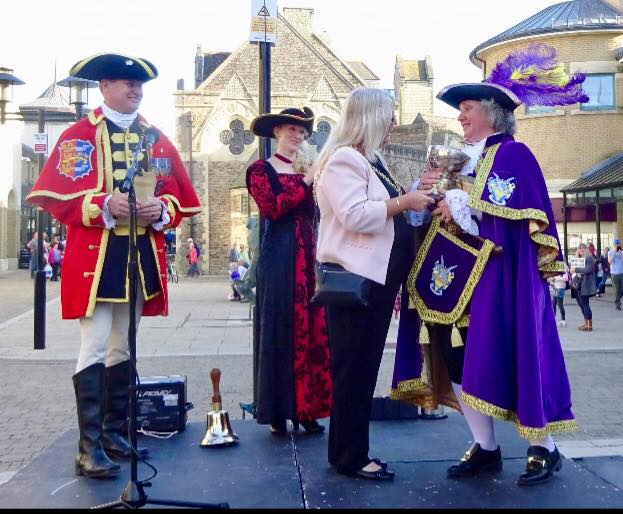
<point>263,21</point>
<point>41,143</point>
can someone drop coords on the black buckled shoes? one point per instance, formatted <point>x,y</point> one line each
<point>476,461</point>
<point>540,466</point>
<point>381,474</point>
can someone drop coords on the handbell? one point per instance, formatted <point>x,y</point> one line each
<point>218,432</point>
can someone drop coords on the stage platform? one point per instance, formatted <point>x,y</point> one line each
<point>267,471</point>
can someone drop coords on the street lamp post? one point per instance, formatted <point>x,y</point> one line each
<point>6,79</point>
<point>191,173</point>
<point>78,93</point>
<point>40,280</point>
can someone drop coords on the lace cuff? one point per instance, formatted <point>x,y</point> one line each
<point>457,202</point>
<point>109,220</point>
<point>164,220</point>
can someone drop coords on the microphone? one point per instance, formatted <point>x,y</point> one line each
<point>152,135</point>
<point>147,139</point>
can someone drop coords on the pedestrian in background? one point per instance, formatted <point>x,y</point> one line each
<point>602,272</point>
<point>559,285</point>
<point>191,258</point>
<point>615,259</point>
<point>54,260</point>
<point>244,255</point>
<point>585,286</point>
<point>233,255</point>
<point>33,246</point>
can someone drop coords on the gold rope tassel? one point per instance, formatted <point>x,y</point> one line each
<point>424,339</point>
<point>456,338</point>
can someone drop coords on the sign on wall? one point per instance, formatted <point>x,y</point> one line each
<point>263,21</point>
<point>41,143</point>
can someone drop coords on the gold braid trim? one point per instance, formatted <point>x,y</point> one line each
<point>548,246</point>
<point>107,166</point>
<point>463,321</point>
<point>184,210</point>
<point>553,268</point>
<point>507,415</point>
<point>406,388</point>
<point>482,256</point>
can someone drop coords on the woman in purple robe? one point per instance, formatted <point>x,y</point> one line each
<point>513,367</point>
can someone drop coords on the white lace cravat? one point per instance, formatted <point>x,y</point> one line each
<point>123,120</point>
<point>474,151</point>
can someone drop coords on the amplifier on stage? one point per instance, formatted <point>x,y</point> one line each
<point>161,405</point>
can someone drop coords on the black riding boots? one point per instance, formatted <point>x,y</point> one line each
<point>116,401</point>
<point>91,460</point>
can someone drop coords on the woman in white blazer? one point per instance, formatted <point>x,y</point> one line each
<point>363,229</point>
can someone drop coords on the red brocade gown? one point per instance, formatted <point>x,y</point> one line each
<point>293,359</point>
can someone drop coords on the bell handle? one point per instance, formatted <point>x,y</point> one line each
<point>215,376</point>
<point>497,249</point>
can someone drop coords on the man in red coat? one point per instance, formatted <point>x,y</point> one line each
<point>80,186</point>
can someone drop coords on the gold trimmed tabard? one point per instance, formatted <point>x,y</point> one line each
<point>416,301</point>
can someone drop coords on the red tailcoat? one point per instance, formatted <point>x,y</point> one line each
<point>73,185</point>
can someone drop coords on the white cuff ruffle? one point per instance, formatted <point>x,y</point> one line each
<point>457,202</point>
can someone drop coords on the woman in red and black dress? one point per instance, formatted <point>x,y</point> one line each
<point>292,359</point>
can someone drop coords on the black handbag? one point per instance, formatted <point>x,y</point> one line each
<point>336,286</point>
<point>576,282</point>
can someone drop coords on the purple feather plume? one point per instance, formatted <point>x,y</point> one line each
<point>539,58</point>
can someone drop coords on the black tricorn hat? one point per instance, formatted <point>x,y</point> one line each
<point>264,124</point>
<point>454,94</point>
<point>114,67</point>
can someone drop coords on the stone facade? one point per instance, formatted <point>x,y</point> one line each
<point>569,141</point>
<point>413,88</point>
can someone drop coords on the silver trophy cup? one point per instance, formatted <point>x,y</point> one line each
<point>451,161</point>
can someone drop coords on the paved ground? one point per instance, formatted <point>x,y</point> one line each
<point>205,331</point>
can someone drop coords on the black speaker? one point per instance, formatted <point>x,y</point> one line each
<point>161,405</point>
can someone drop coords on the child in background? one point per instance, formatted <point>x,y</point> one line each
<point>234,275</point>
<point>557,286</point>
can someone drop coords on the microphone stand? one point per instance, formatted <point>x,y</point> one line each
<point>133,496</point>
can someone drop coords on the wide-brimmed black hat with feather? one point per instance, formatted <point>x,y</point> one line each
<point>114,67</point>
<point>531,75</point>
<point>264,124</point>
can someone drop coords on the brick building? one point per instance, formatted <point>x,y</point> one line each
<point>574,141</point>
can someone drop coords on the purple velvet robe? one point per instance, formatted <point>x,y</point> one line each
<point>514,367</point>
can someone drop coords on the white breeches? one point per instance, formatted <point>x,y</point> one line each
<point>104,336</point>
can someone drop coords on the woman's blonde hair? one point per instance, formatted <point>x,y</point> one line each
<point>363,122</point>
<point>582,246</point>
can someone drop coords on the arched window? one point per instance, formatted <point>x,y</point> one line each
<point>237,137</point>
<point>320,135</point>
